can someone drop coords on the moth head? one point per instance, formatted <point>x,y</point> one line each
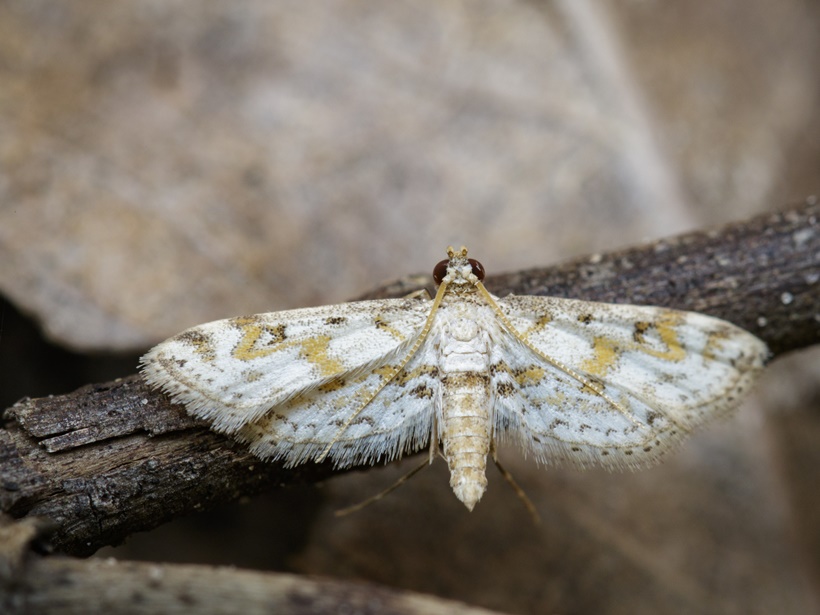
<point>458,269</point>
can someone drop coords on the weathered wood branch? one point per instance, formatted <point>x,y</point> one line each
<point>111,459</point>
<point>763,274</point>
<point>35,584</point>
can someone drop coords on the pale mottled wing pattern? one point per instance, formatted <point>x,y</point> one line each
<point>397,420</point>
<point>233,372</point>
<point>663,372</point>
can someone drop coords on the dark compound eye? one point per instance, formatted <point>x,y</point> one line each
<point>478,269</point>
<point>439,271</point>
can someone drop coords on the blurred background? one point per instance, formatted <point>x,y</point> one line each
<point>165,163</point>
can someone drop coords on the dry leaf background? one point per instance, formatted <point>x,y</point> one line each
<point>165,163</point>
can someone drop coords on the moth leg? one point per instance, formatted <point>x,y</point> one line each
<point>351,509</point>
<point>434,452</point>
<point>420,293</point>
<point>518,490</point>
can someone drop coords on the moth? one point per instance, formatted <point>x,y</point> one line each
<point>369,381</point>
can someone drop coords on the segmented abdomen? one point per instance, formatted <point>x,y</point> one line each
<point>465,432</point>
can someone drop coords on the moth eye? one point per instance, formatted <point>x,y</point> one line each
<point>439,271</point>
<point>478,269</point>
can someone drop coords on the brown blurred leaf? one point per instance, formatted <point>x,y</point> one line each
<point>164,164</point>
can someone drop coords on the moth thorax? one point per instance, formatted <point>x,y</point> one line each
<point>464,330</point>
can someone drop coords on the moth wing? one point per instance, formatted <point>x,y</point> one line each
<point>395,415</point>
<point>232,372</point>
<point>621,384</point>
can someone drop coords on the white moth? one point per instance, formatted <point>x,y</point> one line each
<point>368,381</point>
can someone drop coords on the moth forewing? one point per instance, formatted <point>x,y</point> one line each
<point>232,372</point>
